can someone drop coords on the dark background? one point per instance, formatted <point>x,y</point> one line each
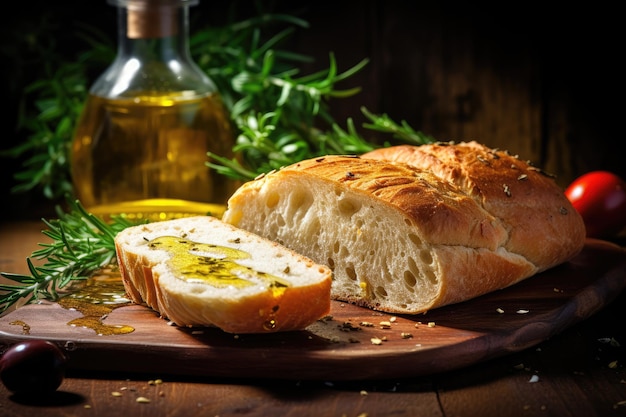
<point>545,83</point>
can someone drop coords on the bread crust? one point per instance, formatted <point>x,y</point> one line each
<point>150,279</point>
<point>462,221</point>
<point>541,222</point>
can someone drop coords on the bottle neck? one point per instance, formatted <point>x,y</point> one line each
<point>153,52</point>
<point>154,33</point>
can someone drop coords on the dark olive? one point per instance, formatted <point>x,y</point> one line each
<point>33,366</point>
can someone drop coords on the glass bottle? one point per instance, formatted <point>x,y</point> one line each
<point>140,146</point>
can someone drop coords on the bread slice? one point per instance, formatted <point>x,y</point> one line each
<point>200,271</point>
<point>403,239</point>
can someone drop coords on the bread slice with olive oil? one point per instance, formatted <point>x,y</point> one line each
<point>200,271</point>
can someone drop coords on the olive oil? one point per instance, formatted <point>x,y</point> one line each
<point>148,154</point>
<point>140,146</point>
<point>95,298</point>
<point>213,265</point>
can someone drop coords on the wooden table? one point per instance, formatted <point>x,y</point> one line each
<point>579,372</point>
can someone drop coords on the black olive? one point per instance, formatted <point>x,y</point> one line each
<point>33,366</point>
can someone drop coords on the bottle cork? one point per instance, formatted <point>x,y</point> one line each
<point>152,21</point>
<point>152,18</point>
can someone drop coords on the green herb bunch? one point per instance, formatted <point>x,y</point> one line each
<point>81,243</point>
<point>50,107</point>
<point>281,117</point>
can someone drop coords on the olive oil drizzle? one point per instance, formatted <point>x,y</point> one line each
<point>25,326</point>
<point>95,299</point>
<point>212,264</point>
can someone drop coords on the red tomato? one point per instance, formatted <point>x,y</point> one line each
<point>600,198</point>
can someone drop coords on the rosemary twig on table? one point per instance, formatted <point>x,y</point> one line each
<point>81,244</point>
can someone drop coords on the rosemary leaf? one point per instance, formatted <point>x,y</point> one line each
<point>404,132</point>
<point>82,243</point>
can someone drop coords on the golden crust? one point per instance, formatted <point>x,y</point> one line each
<point>542,224</point>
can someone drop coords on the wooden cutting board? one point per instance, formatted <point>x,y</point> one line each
<point>352,344</point>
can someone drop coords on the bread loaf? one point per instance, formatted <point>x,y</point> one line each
<point>199,271</point>
<point>441,225</point>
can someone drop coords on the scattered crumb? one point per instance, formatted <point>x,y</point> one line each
<point>366,324</point>
<point>619,404</point>
<point>376,341</point>
<point>534,378</point>
<point>116,394</point>
<point>385,324</point>
<point>346,326</point>
<point>431,324</point>
<point>609,340</point>
<point>405,335</point>
<point>499,310</point>
<point>142,400</point>
<point>392,319</point>
<point>613,364</point>
<point>326,318</point>
<point>522,311</point>
<point>363,393</point>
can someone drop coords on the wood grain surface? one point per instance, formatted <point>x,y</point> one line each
<point>339,346</point>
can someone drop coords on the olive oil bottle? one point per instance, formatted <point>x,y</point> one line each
<point>140,146</point>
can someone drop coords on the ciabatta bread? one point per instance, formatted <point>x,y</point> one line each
<point>199,271</point>
<point>404,239</point>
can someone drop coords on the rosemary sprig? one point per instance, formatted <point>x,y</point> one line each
<point>57,97</point>
<point>267,146</point>
<point>81,244</point>
<point>402,132</point>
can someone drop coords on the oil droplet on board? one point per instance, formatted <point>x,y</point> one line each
<point>25,327</point>
<point>95,298</point>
